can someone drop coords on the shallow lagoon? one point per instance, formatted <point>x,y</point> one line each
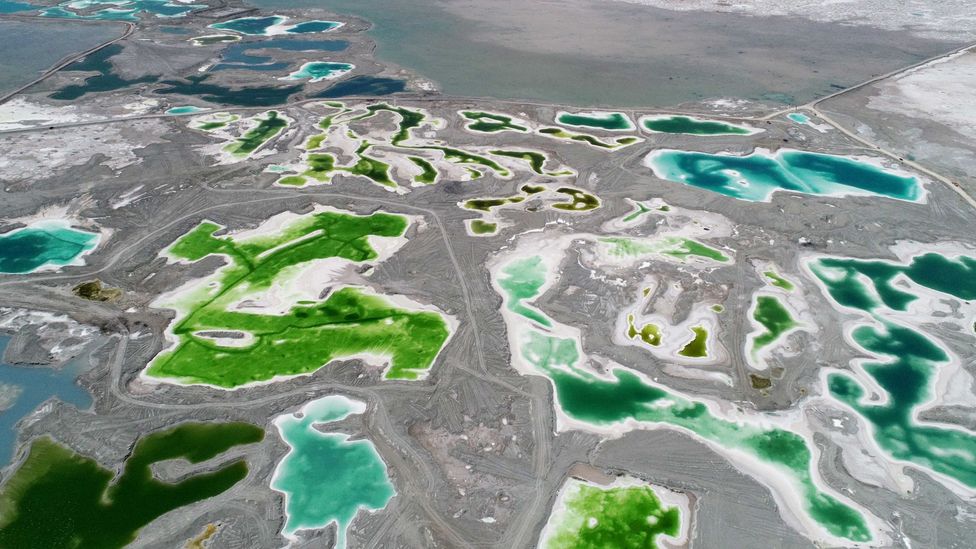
<point>118,10</point>
<point>36,385</point>
<point>49,243</point>
<point>325,476</point>
<point>756,176</point>
<point>568,52</point>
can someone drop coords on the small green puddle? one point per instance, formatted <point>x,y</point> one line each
<point>648,333</point>
<point>776,280</point>
<point>773,316</point>
<point>481,227</point>
<point>428,174</point>
<point>698,346</point>
<point>581,201</point>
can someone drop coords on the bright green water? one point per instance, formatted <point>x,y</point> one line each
<point>625,517</point>
<point>908,360</point>
<point>43,244</point>
<point>325,476</point>
<point>756,176</point>
<point>348,322</point>
<point>58,498</point>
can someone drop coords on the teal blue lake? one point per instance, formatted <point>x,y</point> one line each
<point>320,70</point>
<point>325,476</point>
<point>756,176</point>
<point>44,244</point>
<point>35,386</point>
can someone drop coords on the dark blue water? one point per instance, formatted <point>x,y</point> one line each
<point>37,385</point>
<point>364,85</point>
<point>106,80</point>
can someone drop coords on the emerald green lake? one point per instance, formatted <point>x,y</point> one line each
<point>44,244</point>
<point>612,121</point>
<point>59,498</point>
<point>693,126</point>
<point>326,477</point>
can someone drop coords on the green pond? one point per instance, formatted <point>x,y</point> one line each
<point>487,122</point>
<point>348,322</point>
<point>907,360</point>
<point>693,126</point>
<point>326,477</point>
<point>698,346</point>
<point>43,244</point>
<point>612,121</point>
<point>617,517</point>
<point>774,319</point>
<point>58,498</point>
<point>756,176</point>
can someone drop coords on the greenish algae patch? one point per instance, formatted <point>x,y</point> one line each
<point>649,333</point>
<point>305,337</point>
<point>409,119</point>
<point>907,360</point>
<point>718,308</point>
<point>532,189</point>
<point>487,204</point>
<point>480,227</point>
<point>621,517</point>
<point>698,346</point>
<point>639,210</point>
<point>775,320</point>
<point>776,280</point>
<point>611,121</point>
<point>693,126</point>
<point>43,244</point>
<point>580,201</point>
<point>679,248</point>
<point>211,39</point>
<point>322,166</point>
<point>268,127</point>
<point>59,498</point>
<point>326,477</point>
<point>487,122</point>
